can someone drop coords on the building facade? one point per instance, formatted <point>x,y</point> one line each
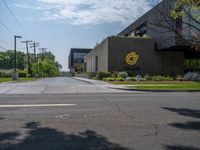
<point>147,46</point>
<point>135,54</point>
<point>158,24</point>
<point>76,59</point>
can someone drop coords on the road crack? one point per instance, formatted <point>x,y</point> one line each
<point>155,132</point>
<point>118,107</point>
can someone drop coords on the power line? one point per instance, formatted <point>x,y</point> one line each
<point>6,27</point>
<point>5,42</point>
<point>11,13</point>
<point>2,47</point>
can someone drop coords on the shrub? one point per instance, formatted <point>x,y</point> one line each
<point>132,79</point>
<point>108,79</point>
<point>131,73</point>
<point>101,75</point>
<point>94,78</point>
<point>179,78</point>
<point>168,78</point>
<point>92,75</point>
<point>148,77</point>
<point>6,74</point>
<point>120,79</point>
<point>162,78</point>
<point>114,74</point>
<point>123,74</point>
<point>23,74</point>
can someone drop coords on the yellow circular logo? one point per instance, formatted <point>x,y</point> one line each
<point>132,58</point>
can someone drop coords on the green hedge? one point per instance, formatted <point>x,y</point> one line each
<point>101,75</point>
<point>5,74</point>
<point>23,74</point>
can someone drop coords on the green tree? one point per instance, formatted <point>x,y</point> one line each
<point>7,61</point>
<point>191,10</point>
<point>45,68</point>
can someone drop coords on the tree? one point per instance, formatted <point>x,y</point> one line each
<point>46,65</point>
<point>7,61</point>
<point>191,10</point>
<point>178,18</point>
<point>45,68</point>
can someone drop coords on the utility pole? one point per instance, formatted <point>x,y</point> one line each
<point>15,73</point>
<point>34,45</point>
<point>42,51</point>
<point>28,57</point>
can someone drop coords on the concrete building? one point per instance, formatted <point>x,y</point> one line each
<point>76,59</point>
<point>159,50</point>
<point>158,24</point>
<point>135,54</point>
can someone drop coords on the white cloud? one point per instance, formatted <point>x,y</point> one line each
<point>91,12</point>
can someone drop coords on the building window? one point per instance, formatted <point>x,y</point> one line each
<point>141,30</point>
<point>79,57</point>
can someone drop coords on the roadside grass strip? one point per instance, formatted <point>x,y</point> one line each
<point>4,80</point>
<point>189,86</point>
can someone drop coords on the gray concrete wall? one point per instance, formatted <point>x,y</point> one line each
<point>101,50</point>
<point>159,25</point>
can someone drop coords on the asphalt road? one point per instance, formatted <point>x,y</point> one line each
<point>137,121</point>
<point>59,85</point>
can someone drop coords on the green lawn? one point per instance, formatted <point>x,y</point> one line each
<point>149,82</point>
<point>20,79</point>
<point>175,86</point>
<point>160,85</point>
<point>5,80</point>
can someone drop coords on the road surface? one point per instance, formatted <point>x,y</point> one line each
<point>60,85</point>
<point>125,121</point>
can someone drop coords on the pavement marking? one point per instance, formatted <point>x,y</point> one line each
<point>36,105</point>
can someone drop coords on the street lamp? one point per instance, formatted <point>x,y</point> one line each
<point>15,73</point>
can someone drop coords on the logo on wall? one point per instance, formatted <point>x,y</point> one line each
<point>132,58</point>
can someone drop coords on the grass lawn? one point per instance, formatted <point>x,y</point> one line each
<point>20,79</point>
<point>162,85</point>
<point>175,86</point>
<point>150,82</point>
<point>5,80</point>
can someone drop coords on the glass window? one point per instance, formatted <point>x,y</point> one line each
<point>79,57</point>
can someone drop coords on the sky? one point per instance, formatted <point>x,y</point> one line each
<point>60,25</point>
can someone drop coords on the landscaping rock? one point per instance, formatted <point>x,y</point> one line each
<point>188,76</point>
<point>138,78</point>
<point>192,76</point>
<point>196,77</point>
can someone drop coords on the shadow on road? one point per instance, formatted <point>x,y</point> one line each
<point>185,112</point>
<point>44,138</point>
<point>189,125</point>
<point>169,147</point>
<point>8,136</point>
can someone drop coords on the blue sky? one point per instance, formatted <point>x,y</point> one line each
<point>63,24</point>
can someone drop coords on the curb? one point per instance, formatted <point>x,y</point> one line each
<point>156,91</point>
<point>83,80</point>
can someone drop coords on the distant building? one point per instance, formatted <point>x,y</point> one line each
<point>76,59</point>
